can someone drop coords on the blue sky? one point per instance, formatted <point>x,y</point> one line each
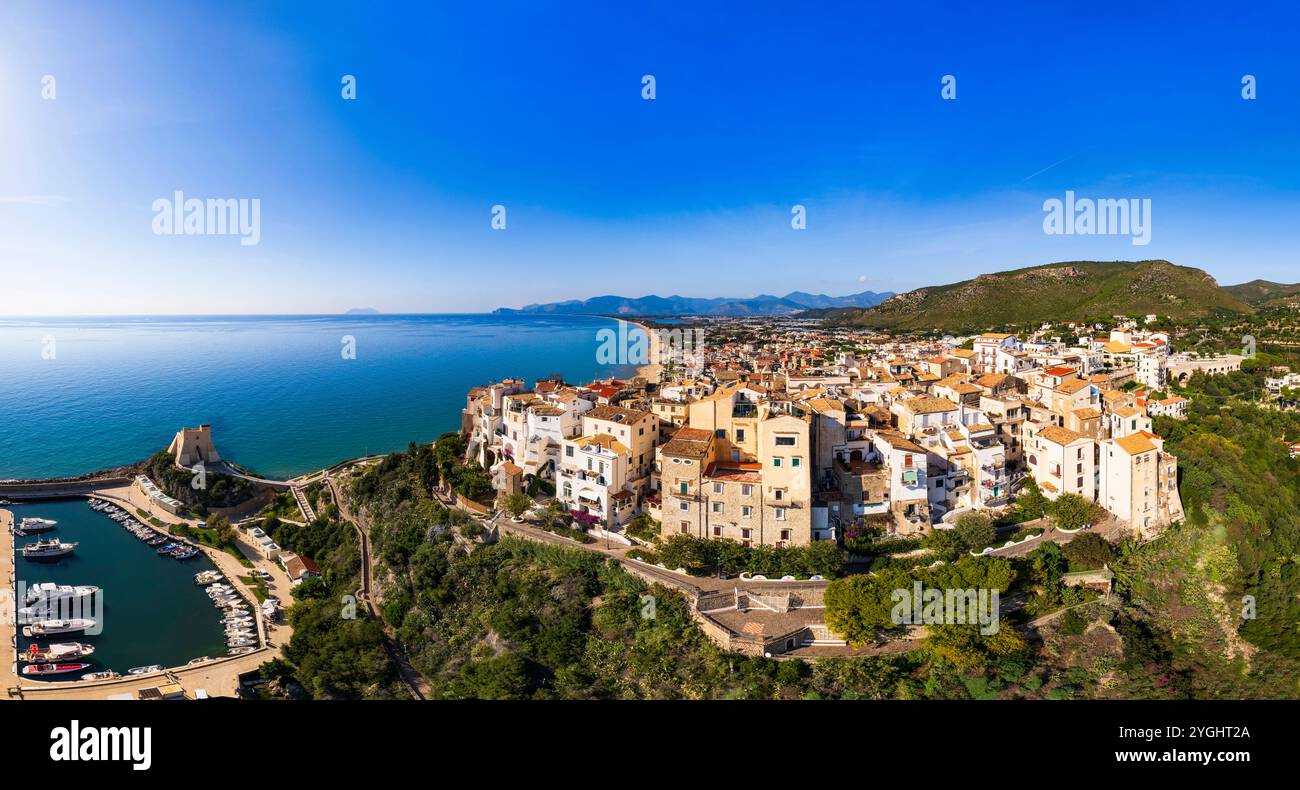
<point>385,201</point>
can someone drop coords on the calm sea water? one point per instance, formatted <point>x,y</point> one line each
<point>152,612</point>
<point>278,392</point>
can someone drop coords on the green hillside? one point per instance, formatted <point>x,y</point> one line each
<point>1075,290</point>
<point>1262,293</point>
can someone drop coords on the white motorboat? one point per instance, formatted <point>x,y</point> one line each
<point>30,526</point>
<point>242,651</point>
<point>49,592</point>
<point>107,674</point>
<point>47,549</point>
<point>53,627</point>
<point>145,670</point>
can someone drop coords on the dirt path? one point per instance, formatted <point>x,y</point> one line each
<point>414,681</point>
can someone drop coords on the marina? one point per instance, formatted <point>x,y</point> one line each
<point>130,607</point>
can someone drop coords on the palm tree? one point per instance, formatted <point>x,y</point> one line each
<point>553,515</point>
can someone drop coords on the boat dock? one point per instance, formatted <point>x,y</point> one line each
<point>8,624</point>
<point>218,678</point>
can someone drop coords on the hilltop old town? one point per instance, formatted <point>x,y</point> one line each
<point>793,439</point>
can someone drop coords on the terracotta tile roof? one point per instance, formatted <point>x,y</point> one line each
<point>617,414</point>
<point>1135,444</point>
<point>604,440</point>
<point>928,405</point>
<point>1058,435</point>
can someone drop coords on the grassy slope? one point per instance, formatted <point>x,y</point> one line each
<point>1057,291</point>
<point>1261,293</point>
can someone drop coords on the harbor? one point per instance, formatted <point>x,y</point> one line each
<point>178,618</point>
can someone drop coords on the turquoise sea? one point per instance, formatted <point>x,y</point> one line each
<point>81,394</point>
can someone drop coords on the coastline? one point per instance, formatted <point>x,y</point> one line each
<point>653,371</point>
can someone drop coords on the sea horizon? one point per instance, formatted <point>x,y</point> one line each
<point>281,392</point>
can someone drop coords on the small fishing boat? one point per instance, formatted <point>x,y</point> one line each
<point>242,651</point>
<point>185,554</point>
<point>40,670</point>
<point>196,661</point>
<point>107,674</point>
<point>169,548</point>
<point>145,670</point>
<point>156,541</point>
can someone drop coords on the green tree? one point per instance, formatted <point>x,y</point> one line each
<point>1030,502</point>
<point>975,530</point>
<point>1088,551</point>
<point>517,504</point>
<point>1071,511</point>
<point>946,544</point>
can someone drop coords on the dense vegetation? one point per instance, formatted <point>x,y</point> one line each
<point>219,491</point>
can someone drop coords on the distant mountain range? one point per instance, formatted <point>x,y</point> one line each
<point>1076,290</point>
<point>762,305</point>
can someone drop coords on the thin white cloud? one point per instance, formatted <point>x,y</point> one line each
<point>35,200</point>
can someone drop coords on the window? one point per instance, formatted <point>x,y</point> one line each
<point>746,490</point>
<point>746,511</point>
<point>785,534</point>
<point>744,533</point>
<point>1080,483</point>
<point>795,461</point>
<point>717,507</point>
<point>785,441</point>
<point>779,514</point>
<point>568,451</point>
<point>907,462</point>
<point>717,488</point>
<point>778,494</point>
<point>686,527</point>
<point>776,462</point>
<point>721,433</point>
<point>717,532</point>
<point>683,488</point>
<point>740,434</point>
<point>683,506</point>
